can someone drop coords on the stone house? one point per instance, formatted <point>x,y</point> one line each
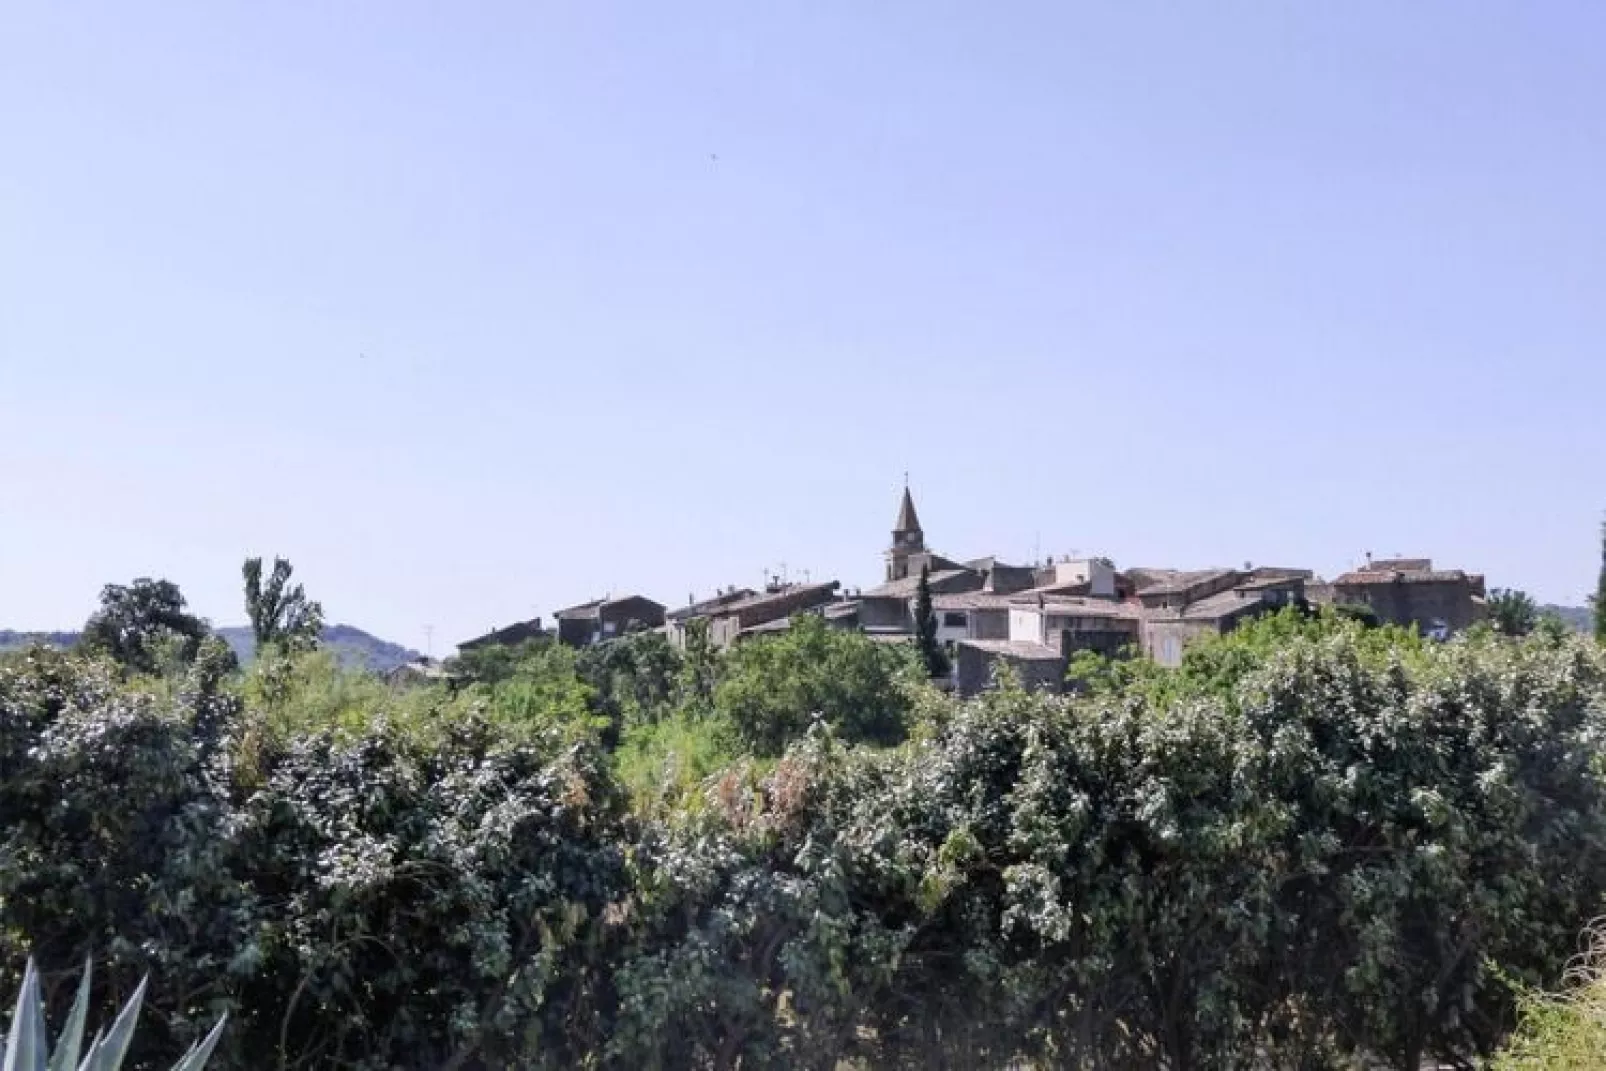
<point>1409,591</point>
<point>509,636</point>
<point>1167,631</point>
<point>675,621</point>
<point>976,661</point>
<point>606,619</point>
<point>971,615</point>
<point>1068,623</point>
<point>1096,577</point>
<point>775,606</point>
<point>1002,579</point>
<point>1172,589</point>
<point>889,608</point>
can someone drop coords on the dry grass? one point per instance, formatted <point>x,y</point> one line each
<point>1565,1031</point>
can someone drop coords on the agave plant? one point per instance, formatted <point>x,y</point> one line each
<point>27,1047</point>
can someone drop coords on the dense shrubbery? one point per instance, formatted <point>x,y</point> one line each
<point>1312,842</point>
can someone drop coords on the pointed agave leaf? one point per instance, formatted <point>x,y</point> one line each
<point>108,1055</point>
<point>196,1058</point>
<point>89,1057</point>
<point>25,1041</point>
<point>71,1042</point>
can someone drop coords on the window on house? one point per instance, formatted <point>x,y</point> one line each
<point>953,620</point>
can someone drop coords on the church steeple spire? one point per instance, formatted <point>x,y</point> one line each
<point>907,538</point>
<point>908,520</point>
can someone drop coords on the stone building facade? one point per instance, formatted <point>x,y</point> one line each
<point>976,663</point>
<point>1439,602</point>
<point>607,619</point>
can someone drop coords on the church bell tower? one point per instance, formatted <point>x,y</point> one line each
<point>907,539</point>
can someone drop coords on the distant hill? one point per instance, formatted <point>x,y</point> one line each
<point>11,640</point>
<point>354,648</point>
<point>1581,618</point>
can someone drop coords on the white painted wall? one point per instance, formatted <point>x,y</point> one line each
<point>1025,625</point>
<point>1096,572</point>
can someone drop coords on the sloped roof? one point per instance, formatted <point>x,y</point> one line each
<point>1018,649</point>
<point>1224,604</point>
<point>1081,587</point>
<point>971,600</point>
<point>1075,605</point>
<point>780,624</point>
<point>706,607</point>
<point>788,593</point>
<point>1268,583</point>
<point>1179,582</point>
<point>509,635</point>
<point>1395,576</point>
<point>1404,565</point>
<point>595,607</point>
<point>910,585</point>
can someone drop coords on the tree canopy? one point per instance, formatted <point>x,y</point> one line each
<point>772,688</point>
<point>1512,612</point>
<point>144,625</point>
<point>281,615</point>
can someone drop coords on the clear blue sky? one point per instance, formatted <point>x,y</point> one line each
<point>1181,284</point>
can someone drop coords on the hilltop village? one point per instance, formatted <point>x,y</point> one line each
<point>1032,617</point>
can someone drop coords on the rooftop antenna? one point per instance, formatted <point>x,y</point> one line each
<point>429,641</point>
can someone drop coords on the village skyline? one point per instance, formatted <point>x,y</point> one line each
<point>590,302</point>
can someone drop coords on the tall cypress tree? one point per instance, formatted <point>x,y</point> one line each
<point>1600,590</point>
<point>931,653</point>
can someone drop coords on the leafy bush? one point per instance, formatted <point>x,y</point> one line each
<point>115,812</point>
<point>772,688</point>
<point>663,766</point>
<point>1304,848</point>
<point>634,679</point>
<point>439,904</point>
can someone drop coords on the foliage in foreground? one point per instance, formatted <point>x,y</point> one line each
<point>1302,850</point>
<point>28,1047</point>
<point>1566,1030</point>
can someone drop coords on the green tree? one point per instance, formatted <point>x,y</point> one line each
<point>699,668</point>
<point>1512,612</point>
<point>931,652</point>
<point>1599,601</point>
<point>495,662</point>
<point>773,687</point>
<point>144,626</point>
<point>281,614</point>
<point>634,677</point>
